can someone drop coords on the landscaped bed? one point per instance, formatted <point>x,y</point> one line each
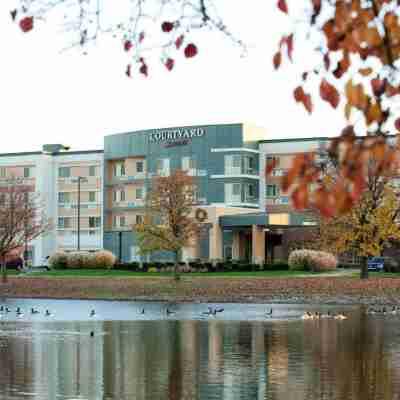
<point>255,289</point>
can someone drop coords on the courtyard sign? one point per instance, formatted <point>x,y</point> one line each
<point>182,136</point>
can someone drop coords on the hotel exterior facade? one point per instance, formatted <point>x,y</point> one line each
<point>246,213</point>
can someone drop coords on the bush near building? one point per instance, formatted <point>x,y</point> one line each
<point>82,259</point>
<point>312,260</point>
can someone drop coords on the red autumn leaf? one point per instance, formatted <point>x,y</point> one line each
<point>329,93</point>
<point>127,45</point>
<point>302,97</point>
<point>169,64</point>
<point>144,70</point>
<point>270,166</point>
<point>26,24</point>
<point>322,201</point>
<point>300,197</point>
<point>190,50</point>
<point>128,71</point>
<point>283,6</point>
<point>327,61</point>
<point>317,6</point>
<point>277,60</point>
<point>13,14</point>
<point>167,26</point>
<point>378,86</point>
<point>397,124</point>
<point>289,43</point>
<point>179,42</point>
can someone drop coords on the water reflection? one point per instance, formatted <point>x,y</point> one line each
<point>290,359</point>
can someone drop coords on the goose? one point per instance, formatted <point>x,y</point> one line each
<point>92,313</point>
<point>33,311</point>
<point>169,312</point>
<point>269,313</point>
<point>219,310</point>
<point>91,333</point>
<point>8,310</point>
<point>394,310</point>
<point>18,310</point>
<point>142,312</point>
<point>1,308</point>
<point>307,315</point>
<point>340,316</point>
<point>47,314</point>
<point>327,315</point>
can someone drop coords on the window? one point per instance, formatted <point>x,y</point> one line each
<point>64,197</point>
<point>272,191</point>
<point>92,197</point>
<point>139,219</point>
<point>64,172</point>
<point>94,222</point>
<point>233,164</point>
<point>159,166</point>
<point>248,165</point>
<point>188,163</point>
<point>2,172</point>
<point>250,192</point>
<point>64,222</point>
<point>119,221</point>
<point>119,195</point>
<point>139,193</point>
<point>139,166</point>
<point>236,189</point>
<point>119,169</point>
<point>233,192</point>
<point>162,167</point>
<point>92,170</point>
<point>27,172</point>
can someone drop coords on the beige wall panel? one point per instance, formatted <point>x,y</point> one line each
<point>258,243</point>
<point>279,219</point>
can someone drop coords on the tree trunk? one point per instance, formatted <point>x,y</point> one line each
<point>3,271</point>
<point>364,268</point>
<point>177,276</point>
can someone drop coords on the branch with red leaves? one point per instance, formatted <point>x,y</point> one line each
<point>359,47</point>
<point>141,26</point>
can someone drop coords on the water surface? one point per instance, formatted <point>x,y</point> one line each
<point>238,354</point>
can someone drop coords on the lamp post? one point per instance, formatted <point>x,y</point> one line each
<point>79,179</point>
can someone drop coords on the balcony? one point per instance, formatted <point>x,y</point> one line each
<point>126,205</point>
<point>117,180</point>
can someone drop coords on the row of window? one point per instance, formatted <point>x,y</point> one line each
<point>66,222</point>
<point>28,172</point>
<point>66,197</point>
<point>65,172</point>
<point>238,164</point>
<point>120,195</point>
<point>240,193</point>
<point>120,221</point>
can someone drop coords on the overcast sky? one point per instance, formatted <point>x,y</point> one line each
<point>48,96</point>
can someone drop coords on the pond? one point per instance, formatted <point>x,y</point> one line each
<point>240,353</point>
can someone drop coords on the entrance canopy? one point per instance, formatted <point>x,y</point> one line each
<point>262,219</point>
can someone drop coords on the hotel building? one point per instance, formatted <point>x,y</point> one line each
<point>246,212</point>
<point>54,174</point>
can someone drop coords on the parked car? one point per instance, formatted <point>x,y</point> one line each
<point>15,263</point>
<point>376,263</point>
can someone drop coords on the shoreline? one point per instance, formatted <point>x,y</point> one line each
<point>317,291</point>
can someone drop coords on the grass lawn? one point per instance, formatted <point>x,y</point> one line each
<point>88,273</point>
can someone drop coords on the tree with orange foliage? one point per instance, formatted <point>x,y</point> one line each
<point>21,219</point>
<point>169,223</point>
<point>358,43</point>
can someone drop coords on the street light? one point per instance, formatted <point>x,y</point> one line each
<point>79,179</point>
